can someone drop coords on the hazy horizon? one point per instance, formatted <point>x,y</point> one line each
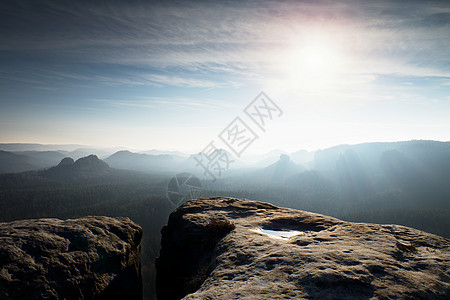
<point>172,76</point>
<point>247,157</point>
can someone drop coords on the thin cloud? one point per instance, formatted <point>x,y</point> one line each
<point>242,40</point>
<point>152,102</point>
<point>187,82</point>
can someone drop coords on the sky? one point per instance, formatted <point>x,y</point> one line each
<point>173,75</point>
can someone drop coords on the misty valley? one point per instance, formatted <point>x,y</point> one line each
<point>405,183</point>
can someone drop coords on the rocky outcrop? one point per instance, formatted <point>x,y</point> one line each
<point>86,258</point>
<point>84,168</point>
<point>224,248</point>
<point>67,161</point>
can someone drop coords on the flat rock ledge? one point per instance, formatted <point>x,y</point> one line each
<point>86,258</point>
<point>215,249</point>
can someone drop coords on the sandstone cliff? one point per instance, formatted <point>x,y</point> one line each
<point>86,258</point>
<point>224,248</point>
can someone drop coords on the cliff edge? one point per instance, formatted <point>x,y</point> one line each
<point>86,258</point>
<point>225,248</point>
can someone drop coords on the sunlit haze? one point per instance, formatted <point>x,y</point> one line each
<point>172,75</point>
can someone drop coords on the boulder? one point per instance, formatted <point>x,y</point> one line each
<point>225,248</point>
<point>86,258</point>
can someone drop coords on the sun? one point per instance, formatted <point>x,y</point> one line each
<point>312,62</point>
<point>316,58</point>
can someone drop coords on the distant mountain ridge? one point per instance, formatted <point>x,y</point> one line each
<point>28,158</point>
<point>13,163</point>
<point>277,172</point>
<point>89,166</point>
<point>38,147</point>
<point>144,162</point>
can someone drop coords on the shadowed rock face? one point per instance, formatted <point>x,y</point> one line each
<point>328,259</point>
<point>86,258</point>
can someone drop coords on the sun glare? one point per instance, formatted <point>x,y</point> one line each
<point>313,62</point>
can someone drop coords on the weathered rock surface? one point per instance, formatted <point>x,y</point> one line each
<point>86,258</point>
<point>329,259</point>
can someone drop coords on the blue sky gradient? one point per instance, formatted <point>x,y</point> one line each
<point>172,74</point>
